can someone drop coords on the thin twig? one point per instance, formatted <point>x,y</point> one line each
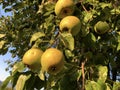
<point>84,7</point>
<point>83,73</point>
<point>83,76</point>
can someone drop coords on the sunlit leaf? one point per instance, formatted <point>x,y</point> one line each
<point>2,44</point>
<point>88,16</point>
<point>92,85</point>
<point>5,83</point>
<point>21,81</point>
<point>108,86</point>
<point>102,84</point>
<point>104,5</point>
<point>102,72</point>
<point>115,11</point>
<point>36,36</point>
<point>68,40</point>
<point>69,54</point>
<point>18,67</point>
<point>118,47</point>
<point>2,35</point>
<point>116,86</point>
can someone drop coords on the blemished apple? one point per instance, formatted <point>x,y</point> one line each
<point>52,61</point>
<point>64,8</point>
<point>70,24</point>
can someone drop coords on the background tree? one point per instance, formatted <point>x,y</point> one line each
<point>92,58</point>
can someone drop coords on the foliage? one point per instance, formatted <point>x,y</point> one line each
<point>92,61</point>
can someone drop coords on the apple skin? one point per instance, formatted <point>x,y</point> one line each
<point>32,58</point>
<point>70,24</point>
<point>52,61</point>
<point>54,1</point>
<point>101,27</point>
<point>64,8</point>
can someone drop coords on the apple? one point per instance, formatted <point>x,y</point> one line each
<point>101,27</point>
<point>52,61</point>
<point>32,58</point>
<point>64,8</point>
<point>70,24</point>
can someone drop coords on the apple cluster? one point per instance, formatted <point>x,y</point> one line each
<point>69,22</point>
<point>52,59</point>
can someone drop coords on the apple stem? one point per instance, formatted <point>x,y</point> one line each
<point>84,7</point>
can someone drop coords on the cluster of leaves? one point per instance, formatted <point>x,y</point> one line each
<point>92,60</point>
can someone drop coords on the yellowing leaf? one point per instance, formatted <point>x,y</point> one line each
<point>2,35</point>
<point>21,81</point>
<point>2,43</point>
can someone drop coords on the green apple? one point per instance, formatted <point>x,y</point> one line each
<point>70,24</point>
<point>64,8</point>
<point>52,61</point>
<point>101,27</point>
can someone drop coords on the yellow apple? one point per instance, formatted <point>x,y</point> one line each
<point>32,58</point>
<point>70,24</point>
<point>52,61</point>
<point>64,8</point>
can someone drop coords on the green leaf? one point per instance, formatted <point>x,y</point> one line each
<point>92,85</point>
<point>115,11</point>
<point>15,78</point>
<point>102,85</point>
<point>102,72</point>
<point>79,74</point>
<point>93,37</point>
<point>5,83</point>
<point>104,5</point>
<point>88,16</point>
<point>22,80</point>
<point>116,86</point>
<point>29,84</point>
<point>108,86</point>
<point>118,47</point>
<point>68,40</point>
<point>67,84</point>
<point>18,67</point>
<point>39,83</point>
<point>90,40</point>
<point>36,36</point>
<point>68,54</point>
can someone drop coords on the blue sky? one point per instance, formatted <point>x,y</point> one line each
<point>3,65</point>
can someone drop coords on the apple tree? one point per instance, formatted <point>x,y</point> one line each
<point>62,44</point>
